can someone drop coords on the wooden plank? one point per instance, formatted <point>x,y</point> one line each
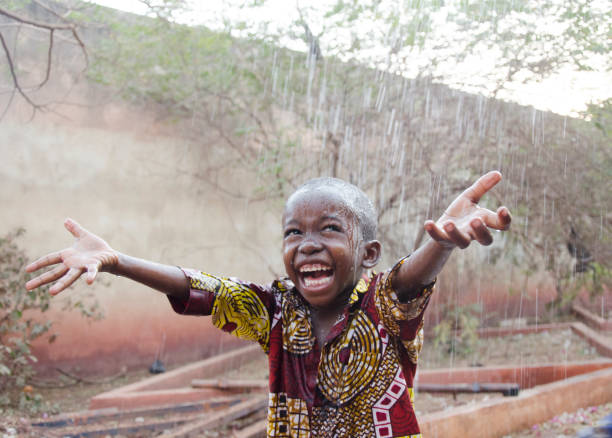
<point>255,430</point>
<point>503,416</point>
<point>205,368</point>
<point>220,418</point>
<point>229,384</point>
<point>104,431</point>
<point>602,344</point>
<point>593,320</point>
<point>95,416</point>
<point>526,376</point>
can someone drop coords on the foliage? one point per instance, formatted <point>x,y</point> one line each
<point>523,40</point>
<point>17,330</point>
<point>341,108</point>
<point>217,83</point>
<point>457,333</point>
<point>21,324</point>
<point>601,116</point>
<point>571,284</point>
<point>412,143</point>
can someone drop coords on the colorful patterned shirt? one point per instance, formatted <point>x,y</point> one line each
<point>360,384</point>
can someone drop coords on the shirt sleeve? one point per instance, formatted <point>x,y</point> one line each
<point>403,320</point>
<point>239,308</point>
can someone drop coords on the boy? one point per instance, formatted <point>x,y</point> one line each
<point>342,350</point>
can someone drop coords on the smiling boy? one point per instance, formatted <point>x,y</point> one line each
<point>342,347</point>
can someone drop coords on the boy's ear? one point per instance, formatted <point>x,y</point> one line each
<point>372,254</point>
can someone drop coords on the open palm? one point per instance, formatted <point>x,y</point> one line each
<point>89,254</point>
<point>464,220</point>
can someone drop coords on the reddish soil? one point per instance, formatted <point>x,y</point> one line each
<point>546,347</point>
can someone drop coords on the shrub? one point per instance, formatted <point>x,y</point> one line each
<point>458,331</point>
<point>20,325</point>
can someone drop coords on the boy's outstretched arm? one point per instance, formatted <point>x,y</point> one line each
<point>461,223</point>
<point>90,254</point>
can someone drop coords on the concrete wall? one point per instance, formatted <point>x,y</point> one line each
<point>130,178</point>
<point>125,177</point>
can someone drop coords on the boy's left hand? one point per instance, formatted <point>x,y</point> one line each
<point>464,221</point>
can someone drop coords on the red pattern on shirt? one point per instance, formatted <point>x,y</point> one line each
<point>360,382</point>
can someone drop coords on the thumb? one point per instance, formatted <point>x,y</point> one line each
<point>75,229</point>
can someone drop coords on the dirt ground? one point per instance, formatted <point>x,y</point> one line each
<point>546,347</point>
<point>66,395</point>
<point>567,424</point>
<point>62,395</point>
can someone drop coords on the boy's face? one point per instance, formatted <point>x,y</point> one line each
<point>323,249</point>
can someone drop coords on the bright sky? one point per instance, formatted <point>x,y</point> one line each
<point>567,92</point>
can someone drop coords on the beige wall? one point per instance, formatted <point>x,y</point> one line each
<point>124,176</point>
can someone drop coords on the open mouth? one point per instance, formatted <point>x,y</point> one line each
<point>316,275</point>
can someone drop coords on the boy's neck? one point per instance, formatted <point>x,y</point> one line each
<point>324,318</point>
<point>323,323</point>
<point>337,306</point>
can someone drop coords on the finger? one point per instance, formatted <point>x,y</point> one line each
<point>456,236</point>
<point>92,271</point>
<point>65,281</point>
<point>76,230</point>
<point>505,218</point>
<point>480,232</point>
<point>499,220</point>
<point>482,186</point>
<point>435,232</point>
<point>47,277</point>
<point>49,259</point>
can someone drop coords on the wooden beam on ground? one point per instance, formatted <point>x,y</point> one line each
<point>601,343</point>
<point>255,430</point>
<point>502,416</point>
<point>160,388</point>
<point>96,416</point>
<point>104,431</point>
<point>220,418</point>
<point>230,384</point>
<point>526,376</point>
<point>591,319</point>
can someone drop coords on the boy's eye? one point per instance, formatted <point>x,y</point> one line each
<point>332,227</point>
<point>291,232</point>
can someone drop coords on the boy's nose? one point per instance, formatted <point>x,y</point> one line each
<point>310,245</point>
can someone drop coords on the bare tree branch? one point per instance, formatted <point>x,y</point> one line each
<point>35,23</point>
<point>51,28</point>
<point>14,75</point>
<point>51,11</point>
<point>49,55</point>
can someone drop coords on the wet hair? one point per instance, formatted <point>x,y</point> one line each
<point>354,198</point>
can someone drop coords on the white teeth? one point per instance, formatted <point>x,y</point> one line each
<point>314,268</point>
<point>314,282</point>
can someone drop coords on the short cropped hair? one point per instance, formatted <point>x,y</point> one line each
<point>355,199</point>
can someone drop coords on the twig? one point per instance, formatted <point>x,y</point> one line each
<point>83,49</point>
<point>8,105</point>
<point>34,23</point>
<point>51,28</point>
<point>14,75</point>
<point>49,54</point>
<point>51,11</point>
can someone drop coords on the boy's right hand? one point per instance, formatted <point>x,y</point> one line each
<point>88,254</point>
